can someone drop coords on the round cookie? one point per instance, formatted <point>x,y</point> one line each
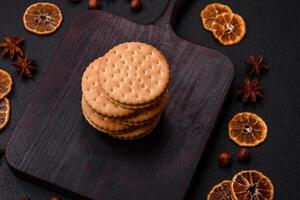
<point>93,94</point>
<point>103,123</point>
<point>96,127</point>
<point>139,132</point>
<point>147,115</point>
<point>134,74</point>
<point>134,107</point>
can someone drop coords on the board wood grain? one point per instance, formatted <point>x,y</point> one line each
<point>54,145</point>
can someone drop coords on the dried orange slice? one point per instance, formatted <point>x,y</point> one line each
<point>4,112</point>
<point>229,28</point>
<point>251,185</point>
<point>210,13</point>
<point>221,191</point>
<point>42,18</point>
<point>5,83</point>
<point>247,129</point>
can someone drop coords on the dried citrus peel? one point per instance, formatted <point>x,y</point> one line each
<point>247,129</point>
<point>42,18</point>
<point>251,185</point>
<point>4,112</point>
<point>246,185</point>
<point>210,13</point>
<point>5,83</point>
<point>229,28</point>
<point>220,191</point>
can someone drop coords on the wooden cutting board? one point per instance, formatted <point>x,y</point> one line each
<point>53,145</point>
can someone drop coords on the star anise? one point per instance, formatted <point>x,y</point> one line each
<point>25,66</point>
<point>11,46</point>
<point>256,65</point>
<point>250,90</point>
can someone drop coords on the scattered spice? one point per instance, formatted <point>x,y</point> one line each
<point>243,155</point>
<point>25,66</point>
<point>250,90</point>
<point>224,159</point>
<point>55,198</point>
<point>94,4</point>
<point>136,5</point>
<point>256,65</point>
<point>11,46</point>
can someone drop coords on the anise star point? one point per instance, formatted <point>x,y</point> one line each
<point>25,66</point>
<point>250,90</point>
<point>11,46</point>
<point>256,65</point>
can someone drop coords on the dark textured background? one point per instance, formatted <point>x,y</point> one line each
<point>272,30</point>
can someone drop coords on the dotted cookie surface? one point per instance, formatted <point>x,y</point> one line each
<point>134,73</point>
<point>93,94</point>
<point>102,123</point>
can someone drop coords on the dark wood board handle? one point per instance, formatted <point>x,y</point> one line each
<point>168,16</point>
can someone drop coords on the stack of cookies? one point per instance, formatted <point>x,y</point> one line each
<point>125,91</point>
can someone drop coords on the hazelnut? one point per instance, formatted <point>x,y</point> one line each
<point>243,155</point>
<point>55,198</point>
<point>93,4</point>
<point>136,5</point>
<point>224,159</point>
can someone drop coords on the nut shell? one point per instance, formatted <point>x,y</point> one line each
<point>243,155</point>
<point>225,159</point>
